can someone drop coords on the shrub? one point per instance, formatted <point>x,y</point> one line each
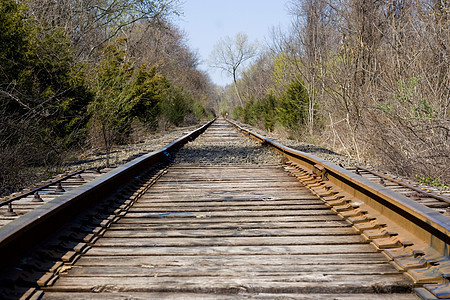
<point>292,108</point>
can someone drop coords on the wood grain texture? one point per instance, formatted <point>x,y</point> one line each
<point>230,232</point>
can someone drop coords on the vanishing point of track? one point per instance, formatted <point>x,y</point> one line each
<point>192,228</point>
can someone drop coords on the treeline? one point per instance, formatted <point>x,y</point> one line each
<point>84,73</point>
<point>368,78</point>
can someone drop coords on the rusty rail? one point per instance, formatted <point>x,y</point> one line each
<point>412,236</point>
<point>9,199</point>
<point>407,185</point>
<point>21,234</point>
<point>426,224</point>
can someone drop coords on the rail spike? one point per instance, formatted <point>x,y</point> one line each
<point>37,198</point>
<point>59,188</point>
<point>10,212</point>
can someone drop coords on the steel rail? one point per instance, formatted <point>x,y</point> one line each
<point>223,251</point>
<point>9,199</point>
<point>407,185</point>
<point>429,226</point>
<point>23,233</point>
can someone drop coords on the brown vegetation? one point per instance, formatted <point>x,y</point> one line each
<point>377,80</point>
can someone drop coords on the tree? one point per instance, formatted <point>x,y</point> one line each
<point>90,24</point>
<point>65,63</point>
<point>124,91</point>
<point>293,107</point>
<point>314,33</point>
<point>376,77</point>
<point>43,96</point>
<point>230,54</point>
<point>39,78</point>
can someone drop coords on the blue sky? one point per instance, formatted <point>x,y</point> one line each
<point>207,21</point>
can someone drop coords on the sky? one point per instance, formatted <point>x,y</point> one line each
<point>207,21</point>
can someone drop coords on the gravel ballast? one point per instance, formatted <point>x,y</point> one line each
<point>125,153</point>
<point>223,144</point>
<point>318,151</point>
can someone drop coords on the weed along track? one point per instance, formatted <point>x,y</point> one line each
<point>223,218</point>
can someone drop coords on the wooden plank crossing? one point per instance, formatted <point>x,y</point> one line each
<point>230,232</point>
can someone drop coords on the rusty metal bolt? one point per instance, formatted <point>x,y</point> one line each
<point>59,188</point>
<point>37,198</point>
<point>10,212</point>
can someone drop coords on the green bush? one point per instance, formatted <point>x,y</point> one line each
<point>260,112</point>
<point>199,110</point>
<point>237,112</point>
<point>125,92</point>
<point>268,106</point>
<point>39,79</point>
<point>150,90</point>
<point>292,108</point>
<point>175,106</point>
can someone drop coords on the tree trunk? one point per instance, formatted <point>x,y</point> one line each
<point>236,89</point>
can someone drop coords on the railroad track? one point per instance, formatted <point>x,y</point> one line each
<point>432,198</point>
<point>213,222</point>
<point>15,205</point>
